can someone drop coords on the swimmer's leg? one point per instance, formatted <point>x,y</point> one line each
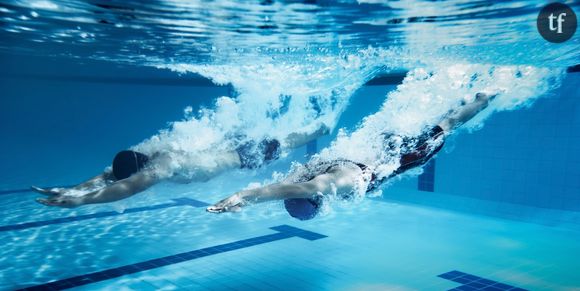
<point>296,139</point>
<point>466,112</point>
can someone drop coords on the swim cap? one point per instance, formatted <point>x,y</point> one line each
<point>127,163</point>
<point>302,208</point>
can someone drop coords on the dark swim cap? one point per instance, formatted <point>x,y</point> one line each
<point>302,208</point>
<point>127,163</point>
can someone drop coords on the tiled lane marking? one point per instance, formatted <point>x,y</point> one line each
<point>426,181</point>
<point>177,202</point>
<point>471,282</point>
<point>311,148</point>
<point>283,232</point>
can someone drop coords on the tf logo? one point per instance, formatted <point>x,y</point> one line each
<point>557,22</point>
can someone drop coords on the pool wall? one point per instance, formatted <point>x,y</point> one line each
<point>63,114</point>
<point>522,164</point>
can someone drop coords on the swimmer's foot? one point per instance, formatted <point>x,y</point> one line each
<point>60,201</point>
<point>46,191</point>
<point>483,97</point>
<point>480,98</point>
<point>233,203</point>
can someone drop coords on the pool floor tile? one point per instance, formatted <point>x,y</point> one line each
<point>283,232</point>
<point>472,282</point>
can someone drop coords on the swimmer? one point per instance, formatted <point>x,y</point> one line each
<point>303,195</point>
<point>133,172</point>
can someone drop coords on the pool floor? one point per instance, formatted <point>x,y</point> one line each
<point>374,245</point>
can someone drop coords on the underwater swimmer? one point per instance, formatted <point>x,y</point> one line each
<point>303,195</point>
<point>133,172</point>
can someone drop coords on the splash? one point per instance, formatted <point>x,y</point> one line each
<point>274,97</point>
<point>427,95</point>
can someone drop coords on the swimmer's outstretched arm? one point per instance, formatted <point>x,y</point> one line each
<point>116,191</point>
<point>466,112</point>
<point>105,177</point>
<point>101,178</point>
<point>339,179</point>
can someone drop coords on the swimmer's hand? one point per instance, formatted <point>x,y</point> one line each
<point>46,191</point>
<point>63,201</point>
<point>233,203</point>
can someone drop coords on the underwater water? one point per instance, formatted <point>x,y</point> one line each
<point>498,208</point>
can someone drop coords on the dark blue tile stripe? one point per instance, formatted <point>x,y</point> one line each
<point>177,202</point>
<point>283,232</point>
<point>311,148</point>
<point>427,178</point>
<point>309,235</point>
<point>30,190</point>
<point>472,282</point>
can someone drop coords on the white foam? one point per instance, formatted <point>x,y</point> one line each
<point>274,97</point>
<point>428,94</point>
<point>280,94</point>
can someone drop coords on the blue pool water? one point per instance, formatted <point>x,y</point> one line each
<point>497,209</point>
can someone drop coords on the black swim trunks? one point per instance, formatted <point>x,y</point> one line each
<point>253,155</point>
<point>415,152</point>
<point>422,149</point>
